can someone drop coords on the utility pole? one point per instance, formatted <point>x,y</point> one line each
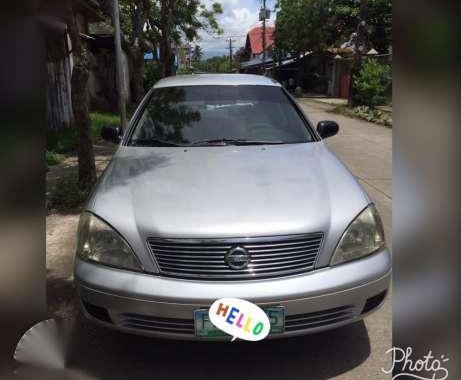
<point>264,14</point>
<point>230,53</point>
<point>264,34</point>
<point>118,64</point>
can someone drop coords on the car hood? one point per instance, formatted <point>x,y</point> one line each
<point>231,191</point>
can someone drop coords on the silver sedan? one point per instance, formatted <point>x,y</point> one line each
<point>222,187</point>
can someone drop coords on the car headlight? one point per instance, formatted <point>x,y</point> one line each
<point>100,243</point>
<point>364,236</point>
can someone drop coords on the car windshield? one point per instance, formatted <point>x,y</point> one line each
<point>219,115</point>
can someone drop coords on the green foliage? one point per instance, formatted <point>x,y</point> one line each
<point>303,25</point>
<point>66,194</point>
<point>53,158</point>
<point>183,70</point>
<point>314,25</point>
<point>197,54</point>
<point>99,120</point>
<point>152,20</point>
<point>371,83</point>
<point>63,141</point>
<point>152,74</point>
<point>366,113</point>
<point>213,65</point>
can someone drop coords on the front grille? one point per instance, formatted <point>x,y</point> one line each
<point>206,259</point>
<point>158,324</point>
<point>307,321</point>
<point>293,323</point>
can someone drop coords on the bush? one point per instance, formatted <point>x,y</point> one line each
<point>371,83</point>
<point>67,195</point>
<point>53,158</point>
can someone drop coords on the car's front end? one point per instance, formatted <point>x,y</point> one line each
<point>171,229</point>
<point>162,306</point>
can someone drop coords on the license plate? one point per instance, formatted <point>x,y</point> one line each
<point>205,329</point>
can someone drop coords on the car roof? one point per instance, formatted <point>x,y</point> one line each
<point>216,80</point>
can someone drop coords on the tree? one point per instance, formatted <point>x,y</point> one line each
<point>181,18</point>
<point>133,18</point>
<point>315,25</point>
<point>80,104</point>
<point>148,24</point>
<point>301,26</point>
<point>217,64</point>
<point>197,54</point>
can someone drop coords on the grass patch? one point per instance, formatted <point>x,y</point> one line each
<point>53,158</point>
<point>66,140</point>
<point>66,195</point>
<point>99,120</point>
<point>366,113</point>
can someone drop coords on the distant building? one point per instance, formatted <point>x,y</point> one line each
<point>254,49</point>
<point>254,42</point>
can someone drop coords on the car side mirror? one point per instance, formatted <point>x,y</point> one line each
<point>111,134</point>
<point>327,128</point>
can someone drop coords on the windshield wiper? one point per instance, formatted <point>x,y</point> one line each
<point>153,142</point>
<point>237,142</point>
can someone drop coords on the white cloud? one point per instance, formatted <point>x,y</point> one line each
<point>238,17</point>
<point>242,14</point>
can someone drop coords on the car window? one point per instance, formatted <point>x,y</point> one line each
<point>199,114</point>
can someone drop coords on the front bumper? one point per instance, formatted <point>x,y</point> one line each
<point>158,306</point>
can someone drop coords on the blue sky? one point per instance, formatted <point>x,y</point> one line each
<point>237,18</point>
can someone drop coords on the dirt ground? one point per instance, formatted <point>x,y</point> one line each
<point>61,238</point>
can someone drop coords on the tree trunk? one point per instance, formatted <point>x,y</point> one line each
<point>80,106</point>
<point>136,51</point>
<point>165,47</point>
<point>165,56</point>
<point>137,74</point>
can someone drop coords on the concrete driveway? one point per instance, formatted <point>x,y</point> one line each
<point>354,352</point>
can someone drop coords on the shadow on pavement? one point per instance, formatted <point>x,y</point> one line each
<point>111,355</point>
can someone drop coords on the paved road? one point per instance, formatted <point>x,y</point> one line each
<point>354,352</point>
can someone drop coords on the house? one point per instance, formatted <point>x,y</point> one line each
<point>253,51</point>
<point>254,42</point>
<point>325,74</point>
